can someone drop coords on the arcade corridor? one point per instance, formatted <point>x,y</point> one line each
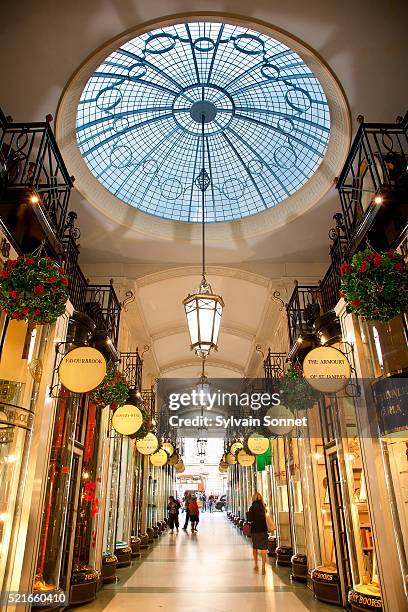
<point>211,571</point>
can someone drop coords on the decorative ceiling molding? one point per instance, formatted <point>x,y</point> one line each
<point>214,363</point>
<point>196,270</point>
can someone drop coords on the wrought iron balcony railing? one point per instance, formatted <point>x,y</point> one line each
<point>149,403</point>
<point>103,306</point>
<point>275,365</point>
<point>132,369</point>
<point>33,176</point>
<point>303,308</point>
<point>374,184</point>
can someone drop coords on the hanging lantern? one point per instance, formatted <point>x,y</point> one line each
<point>203,312</point>
<point>201,447</point>
<point>204,308</point>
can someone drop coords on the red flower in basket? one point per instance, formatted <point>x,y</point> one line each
<point>4,274</point>
<point>344,268</point>
<point>364,266</point>
<point>25,310</point>
<point>29,261</point>
<point>36,312</point>
<point>39,289</point>
<point>64,281</point>
<point>11,263</point>
<point>13,294</point>
<point>51,279</point>
<point>356,302</point>
<point>399,267</point>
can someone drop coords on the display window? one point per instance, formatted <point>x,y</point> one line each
<point>22,349</point>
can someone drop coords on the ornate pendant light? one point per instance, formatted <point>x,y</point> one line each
<point>204,308</point>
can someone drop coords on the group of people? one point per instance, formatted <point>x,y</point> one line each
<point>260,521</point>
<point>210,502</point>
<point>190,506</point>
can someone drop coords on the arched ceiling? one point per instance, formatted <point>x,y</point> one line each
<point>44,43</point>
<point>158,319</point>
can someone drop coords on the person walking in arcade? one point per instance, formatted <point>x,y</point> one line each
<point>257,516</point>
<point>194,514</point>
<point>187,500</point>
<point>173,508</point>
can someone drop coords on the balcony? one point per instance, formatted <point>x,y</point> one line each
<point>373,187</point>
<point>149,403</point>
<point>34,186</point>
<point>303,309</point>
<point>132,368</point>
<point>103,306</point>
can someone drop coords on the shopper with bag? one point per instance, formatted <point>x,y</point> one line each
<point>173,508</point>
<point>259,518</point>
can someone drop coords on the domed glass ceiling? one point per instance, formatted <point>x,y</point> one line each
<point>139,121</point>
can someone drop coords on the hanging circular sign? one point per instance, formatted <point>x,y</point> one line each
<point>168,447</point>
<point>244,459</point>
<point>326,369</point>
<point>174,459</point>
<point>147,445</point>
<point>82,369</point>
<point>235,446</point>
<point>222,470</point>
<point>230,459</point>
<point>258,445</point>
<point>159,458</point>
<point>179,465</point>
<point>281,420</point>
<point>224,464</point>
<point>127,419</point>
<point>180,468</point>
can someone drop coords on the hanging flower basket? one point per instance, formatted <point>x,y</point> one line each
<point>147,426</point>
<point>375,285</point>
<point>113,390</point>
<point>296,393</point>
<point>33,288</point>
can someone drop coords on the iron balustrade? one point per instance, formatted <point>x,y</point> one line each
<point>303,308</point>
<point>30,160</point>
<point>149,403</point>
<point>275,365</point>
<point>374,175</point>
<point>103,306</point>
<point>132,369</point>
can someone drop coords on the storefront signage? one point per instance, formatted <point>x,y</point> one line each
<point>147,445</point>
<point>365,601</point>
<point>180,468</point>
<point>169,448</point>
<point>82,369</point>
<point>326,369</point>
<point>391,400</point>
<point>318,574</point>
<point>235,446</point>
<point>244,459</point>
<point>127,420</point>
<point>230,459</point>
<point>258,445</point>
<point>224,464</point>
<point>159,458</point>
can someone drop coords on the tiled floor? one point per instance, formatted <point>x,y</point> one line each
<point>211,571</point>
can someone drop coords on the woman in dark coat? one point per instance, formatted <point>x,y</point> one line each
<point>259,531</point>
<point>173,508</point>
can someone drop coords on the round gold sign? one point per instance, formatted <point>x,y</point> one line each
<point>127,420</point>
<point>168,447</point>
<point>326,369</point>
<point>179,465</point>
<point>224,464</point>
<point>180,469</point>
<point>281,420</point>
<point>159,458</point>
<point>235,446</point>
<point>147,445</point>
<point>230,459</point>
<point>222,470</point>
<point>82,369</point>
<point>244,459</point>
<point>258,445</point>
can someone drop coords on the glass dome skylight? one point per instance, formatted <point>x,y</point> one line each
<point>267,121</point>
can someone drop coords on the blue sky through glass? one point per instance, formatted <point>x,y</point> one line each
<point>268,133</point>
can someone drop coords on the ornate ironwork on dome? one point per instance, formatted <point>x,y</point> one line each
<point>266,122</point>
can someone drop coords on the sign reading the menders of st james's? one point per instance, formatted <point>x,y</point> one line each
<point>326,369</point>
